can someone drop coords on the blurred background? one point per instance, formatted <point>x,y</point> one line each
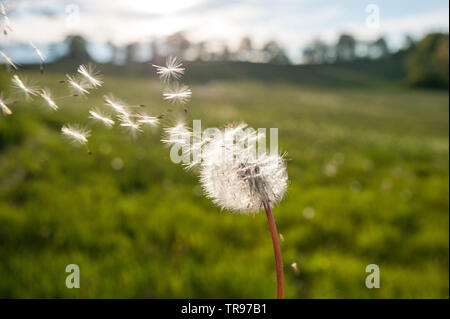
<point>357,89</point>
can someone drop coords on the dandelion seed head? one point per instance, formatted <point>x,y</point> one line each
<point>235,177</point>
<point>89,73</point>
<point>75,134</point>
<point>127,121</point>
<point>180,95</point>
<point>172,70</point>
<point>98,115</point>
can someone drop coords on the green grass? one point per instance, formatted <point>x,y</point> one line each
<point>369,183</point>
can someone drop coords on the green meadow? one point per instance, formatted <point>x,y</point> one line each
<point>369,184</point>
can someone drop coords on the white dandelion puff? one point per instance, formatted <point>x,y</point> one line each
<point>90,75</point>
<point>235,177</point>
<point>8,59</point>
<point>3,107</point>
<point>172,70</point>
<point>180,95</point>
<point>38,52</point>
<point>22,86</point>
<point>118,106</point>
<point>78,87</point>
<point>74,134</point>
<point>98,115</point>
<point>47,96</point>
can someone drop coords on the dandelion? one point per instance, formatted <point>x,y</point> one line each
<point>22,86</point>
<point>118,106</point>
<point>75,135</point>
<point>172,70</point>
<point>97,115</point>
<point>180,95</point>
<point>3,107</point>
<point>46,95</point>
<point>8,59</point>
<point>235,178</point>
<point>78,87</point>
<point>89,73</point>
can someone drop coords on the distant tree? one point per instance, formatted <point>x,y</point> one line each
<point>345,48</point>
<point>77,49</point>
<point>177,44</point>
<point>378,48</point>
<point>245,49</point>
<point>131,52</point>
<point>318,52</point>
<point>274,53</point>
<point>114,52</point>
<point>226,54</point>
<point>428,62</point>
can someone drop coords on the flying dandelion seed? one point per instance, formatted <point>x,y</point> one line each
<point>127,122</point>
<point>118,106</point>
<point>38,52</point>
<point>180,95</point>
<point>75,135</point>
<point>8,60</point>
<point>90,75</point>
<point>172,70</point>
<point>47,96</point>
<point>23,87</point>
<point>178,134</point>
<point>294,266</point>
<point>3,107</point>
<point>97,115</point>
<point>146,119</point>
<point>5,19</point>
<point>78,87</point>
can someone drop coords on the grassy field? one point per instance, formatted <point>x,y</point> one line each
<point>369,184</point>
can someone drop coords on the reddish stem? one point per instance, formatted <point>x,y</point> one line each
<point>276,251</point>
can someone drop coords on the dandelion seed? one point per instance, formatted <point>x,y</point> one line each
<point>180,95</point>
<point>8,59</point>
<point>5,19</point>
<point>146,119</point>
<point>78,86</point>
<point>172,70</point>
<point>23,86</point>
<point>178,134</point>
<point>131,125</point>
<point>118,106</point>
<point>76,135</point>
<point>38,52</point>
<point>46,95</point>
<point>3,107</point>
<point>96,114</point>
<point>91,75</point>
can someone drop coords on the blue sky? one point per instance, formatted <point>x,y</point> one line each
<point>294,23</point>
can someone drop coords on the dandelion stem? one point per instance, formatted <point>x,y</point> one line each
<point>276,250</point>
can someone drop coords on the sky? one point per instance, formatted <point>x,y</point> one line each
<point>293,23</point>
